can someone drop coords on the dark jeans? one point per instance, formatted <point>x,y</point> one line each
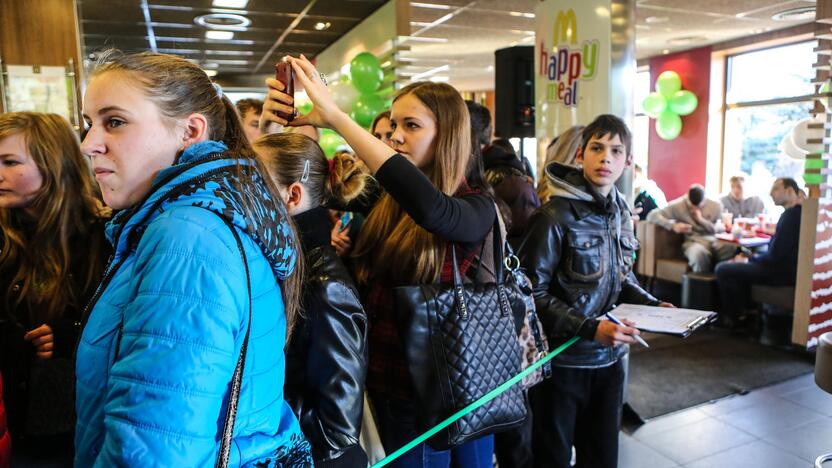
<point>514,447</point>
<point>735,280</point>
<point>580,408</point>
<point>396,420</point>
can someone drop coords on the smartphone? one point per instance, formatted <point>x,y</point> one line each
<point>346,218</point>
<point>284,73</point>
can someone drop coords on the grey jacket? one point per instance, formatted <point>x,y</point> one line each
<point>745,208</point>
<point>578,252</point>
<point>678,211</point>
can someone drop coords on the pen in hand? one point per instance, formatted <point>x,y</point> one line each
<point>614,320</point>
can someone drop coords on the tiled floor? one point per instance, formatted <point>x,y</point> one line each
<point>783,426</point>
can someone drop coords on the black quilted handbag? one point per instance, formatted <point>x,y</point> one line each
<point>460,343</point>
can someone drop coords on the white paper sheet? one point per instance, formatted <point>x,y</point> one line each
<point>663,319</point>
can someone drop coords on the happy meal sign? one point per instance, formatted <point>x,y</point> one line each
<point>573,70</point>
<point>564,61</point>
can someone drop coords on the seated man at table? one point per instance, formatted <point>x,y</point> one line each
<point>736,203</point>
<point>698,218</point>
<point>776,267</point>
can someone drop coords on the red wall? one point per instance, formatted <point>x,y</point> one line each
<point>675,165</point>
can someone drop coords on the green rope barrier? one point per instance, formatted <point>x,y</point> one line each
<point>473,406</point>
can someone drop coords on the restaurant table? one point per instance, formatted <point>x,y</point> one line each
<point>750,242</point>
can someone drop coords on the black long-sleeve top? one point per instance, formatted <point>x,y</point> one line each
<point>782,250</point>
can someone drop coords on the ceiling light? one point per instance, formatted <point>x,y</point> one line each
<point>433,6</point>
<point>436,40</point>
<point>666,51</point>
<point>321,25</point>
<point>440,79</point>
<point>230,3</point>
<point>210,65</point>
<point>656,19</point>
<point>210,73</point>
<point>440,20</point>
<point>224,21</point>
<point>430,72</point>
<point>520,14</point>
<point>528,39</point>
<point>795,14</point>
<point>686,40</point>
<point>219,35</point>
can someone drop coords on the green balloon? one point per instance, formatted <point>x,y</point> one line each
<point>366,73</point>
<point>683,102</point>
<point>669,125</point>
<point>668,83</point>
<point>367,108</point>
<point>345,78</point>
<point>654,104</point>
<point>330,141</point>
<point>305,108</point>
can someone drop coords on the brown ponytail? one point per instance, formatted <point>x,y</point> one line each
<point>334,182</point>
<point>180,88</point>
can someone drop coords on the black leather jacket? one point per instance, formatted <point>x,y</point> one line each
<point>579,253</point>
<point>326,362</point>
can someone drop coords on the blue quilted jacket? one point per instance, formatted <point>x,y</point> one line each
<point>157,353</point>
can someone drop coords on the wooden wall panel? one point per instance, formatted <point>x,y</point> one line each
<point>40,32</point>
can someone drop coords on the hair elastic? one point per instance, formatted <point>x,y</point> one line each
<point>218,89</point>
<point>305,176</point>
<point>331,164</point>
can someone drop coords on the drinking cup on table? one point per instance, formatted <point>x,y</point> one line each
<point>727,220</point>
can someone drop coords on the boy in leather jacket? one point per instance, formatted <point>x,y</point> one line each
<point>578,253</point>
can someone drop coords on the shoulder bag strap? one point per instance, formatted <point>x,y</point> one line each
<point>237,379</point>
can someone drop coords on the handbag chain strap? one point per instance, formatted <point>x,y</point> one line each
<point>237,378</point>
<point>499,274</point>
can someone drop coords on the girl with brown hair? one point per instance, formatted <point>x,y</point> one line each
<point>326,362</point>
<point>52,253</point>
<point>427,208</point>
<point>180,361</point>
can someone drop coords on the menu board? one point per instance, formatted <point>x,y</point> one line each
<point>38,89</point>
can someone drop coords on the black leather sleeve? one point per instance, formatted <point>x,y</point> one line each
<point>633,293</point>
<point>540,253</point>
<point>335,370</point>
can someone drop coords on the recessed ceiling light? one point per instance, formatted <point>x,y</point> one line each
<point>656,19</point>
<point>666,51</point>
<point>219,35</point>
<point>435,40</point>
<point>321,25</point>
<point>685,40</point>
<point>433,6</point>
<point>225,21</point>
<point>230,3</point>
<point>795,14</point>
<point>210,72</point>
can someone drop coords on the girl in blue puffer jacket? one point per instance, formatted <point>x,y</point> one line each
<point>166,327</point>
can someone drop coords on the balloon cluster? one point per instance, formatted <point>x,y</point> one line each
<point>357,95</point>
<point>668,103</point>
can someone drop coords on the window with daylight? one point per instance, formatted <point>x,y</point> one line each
<point>767,93</point>
<point>641,123</point>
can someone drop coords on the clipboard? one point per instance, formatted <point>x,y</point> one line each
<point>671,321</point>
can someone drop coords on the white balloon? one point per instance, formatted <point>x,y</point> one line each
<point>795,143</point>
<point>344,94</point>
